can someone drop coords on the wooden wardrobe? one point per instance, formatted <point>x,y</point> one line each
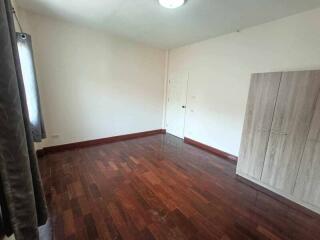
<point>280,147</point>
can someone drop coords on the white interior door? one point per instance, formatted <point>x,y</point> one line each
<point>176,104</point>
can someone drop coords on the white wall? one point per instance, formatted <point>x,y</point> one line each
<point>94,85</point>
<point>220,70</point>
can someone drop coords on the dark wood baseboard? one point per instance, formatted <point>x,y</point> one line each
<point>70,146</point>
<point>40,153</point>
<point>280,198</point>
<point>212,150</point>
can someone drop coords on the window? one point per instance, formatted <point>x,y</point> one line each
<point>30,85</point>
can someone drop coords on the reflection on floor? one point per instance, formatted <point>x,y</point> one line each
<point>158,187</point>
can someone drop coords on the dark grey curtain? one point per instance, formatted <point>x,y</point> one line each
<point>22,201</point>
<point>30,86</point>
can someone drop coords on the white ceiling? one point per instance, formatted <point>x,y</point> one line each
<point>145,21</point>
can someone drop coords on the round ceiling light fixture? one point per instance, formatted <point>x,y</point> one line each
<point>171,3</point>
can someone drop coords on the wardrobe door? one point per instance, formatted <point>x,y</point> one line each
<point>291,121</point>
<point>258,119</point>
<point>308,183</point>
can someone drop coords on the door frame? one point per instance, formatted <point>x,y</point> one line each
<point>187,74</point>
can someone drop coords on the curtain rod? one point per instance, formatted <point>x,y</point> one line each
<point>15,15</point>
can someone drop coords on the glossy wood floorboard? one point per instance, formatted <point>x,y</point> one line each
<point>160,188</point>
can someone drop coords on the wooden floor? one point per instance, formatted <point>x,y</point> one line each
<point>161,188</point>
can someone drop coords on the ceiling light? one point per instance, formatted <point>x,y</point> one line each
<point>171,3</point>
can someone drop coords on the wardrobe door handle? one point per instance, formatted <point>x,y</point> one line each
<point>279,133</point>
<point>183,106</point>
